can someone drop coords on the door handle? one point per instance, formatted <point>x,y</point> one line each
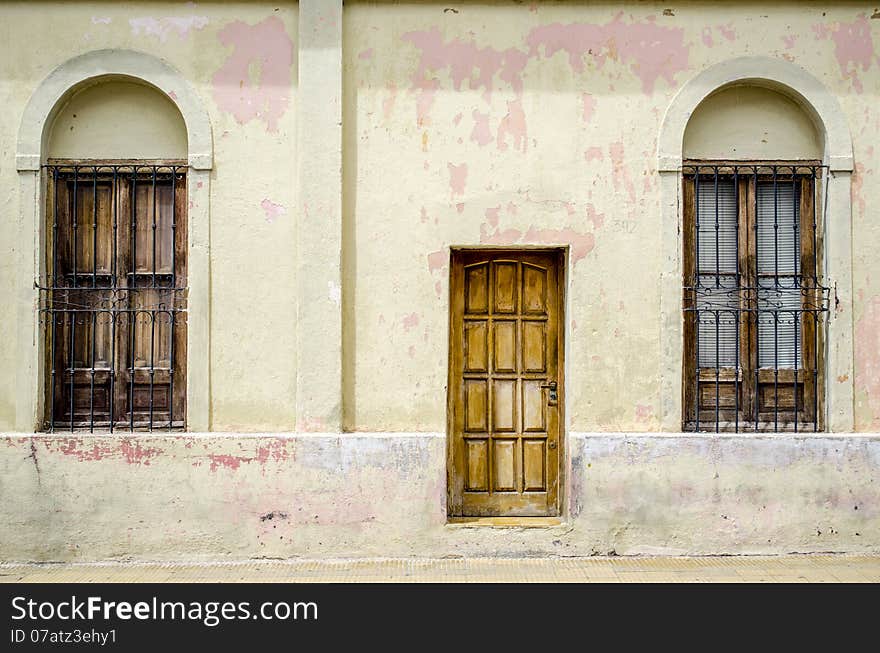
<point>553,398</point>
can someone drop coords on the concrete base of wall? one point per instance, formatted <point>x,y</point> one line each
<point>220,496</point>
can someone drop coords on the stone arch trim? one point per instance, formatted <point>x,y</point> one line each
<point>776,74</point>
<point>91,67</point>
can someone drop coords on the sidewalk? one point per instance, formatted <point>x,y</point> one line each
<point>726,569</point>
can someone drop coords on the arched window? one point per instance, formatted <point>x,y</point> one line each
<point>114,296</point>
<point>755,299</point>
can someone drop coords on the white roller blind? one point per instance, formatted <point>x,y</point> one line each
<point>716,213</point>
<point>779,327</point>
<point>717,306</point>
<point>717,299</point>
<point>779,237</point>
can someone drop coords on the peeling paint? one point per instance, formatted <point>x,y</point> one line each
<point>588,106</point>
<point>492,216</point>
<point>464,61</point>
<point>437,260</point>
<point>513,125</point>
<point>853,47</point>
<point>481,133</point>
<point>272,210</point>
<point>163,27</point>
<point>410,321</point>
<point>457,177</point>
<point>594,153</point>
<point>254,82</point>
<point>620,173</point>
<point>652,51</point>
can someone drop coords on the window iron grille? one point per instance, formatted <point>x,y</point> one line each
<point>112,301</point>
<point>754,299</point>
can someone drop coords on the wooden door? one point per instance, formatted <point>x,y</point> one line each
<point>506,386</point>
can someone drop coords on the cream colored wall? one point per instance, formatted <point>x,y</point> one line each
<point>537,123</point>
<point>749,122</point>
<point>499,123</point>
<point>118,120</point>
<point>241,59</point>
<point>496,123</point>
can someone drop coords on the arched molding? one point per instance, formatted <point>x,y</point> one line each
<point>99,65</point>
<point>775,74</point>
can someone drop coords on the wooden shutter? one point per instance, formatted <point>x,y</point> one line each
<point>116,298</point>
<point>752,298</point>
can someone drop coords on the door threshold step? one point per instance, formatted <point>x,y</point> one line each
<point>504,522</point>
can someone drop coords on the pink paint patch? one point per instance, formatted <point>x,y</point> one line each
<point>619,172</point>
<point>134,454</point>
<point>506,237</point>
<point>437,260</point>
<point>438,288</point>
<point>706,36</point>
<point>410,321</point>
<point>460,207</point>
<point>465,61</point>
<point>366,54</point>
<point>858,182</point>
<point>128,450</point>
<point>651,50</point>
<point>789,41</point>
<point>172,95</point>
<point>511,208</point>
<point>275,451</point>
<point>255,81</point>
<point>272,210</point>
<point>598,219</point>
<point>457,177</point>
<point>588,104</point>
<point>481,134</point>
<point>644,413</point>
<point>853,47</point>
<point>594,154</point>
<point>513,125</point>
<point>727,31</point>
<point>581,244</point>
<point>492,216</point>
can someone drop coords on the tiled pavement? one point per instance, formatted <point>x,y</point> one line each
<point>725,569</point>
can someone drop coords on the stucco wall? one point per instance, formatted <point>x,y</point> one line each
<point>494,123</point>
<point>240,57</point>
<point>383,495</point>
<point>751,123</point>
<point>501,123</point>
<point>118,120</point>
<point>507,123</point>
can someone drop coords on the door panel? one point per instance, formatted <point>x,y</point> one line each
<point>504,353</point>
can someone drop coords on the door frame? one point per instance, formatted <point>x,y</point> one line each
<point>562,258</point>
